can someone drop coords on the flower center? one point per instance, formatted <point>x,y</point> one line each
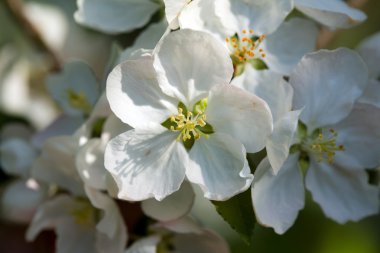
<point>246,48</point>
<point>84,213</point>
<point>78,100</point>
<point>323,145</point>
<point>187,125</point>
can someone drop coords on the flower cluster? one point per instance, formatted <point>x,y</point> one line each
<point>206,87</point>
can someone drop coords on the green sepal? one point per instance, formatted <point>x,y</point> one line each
<point>258,64</point>
<point>97,128</point>
<point>200,106</point>
<point>238,213</point>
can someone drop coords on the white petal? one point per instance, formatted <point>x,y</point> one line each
<point>240,114</point>
<point>277,199</point>
<point>332,13</point>
<point>56,165</point>
<point>369,49</point>
<point>172,10</point>
<point>112,127</point>
<point>147,39</point>
<point>371,94</point>
<point>279,142</point>
<point>145,245</point>
<point>78,77</point>
<point>146,164</point>
<point>210,16</point>
<point>17,156</point>
<point>112,234</point>
<point>319,81</point>
<point>343,194</point>
<point>134,95</point>
<point>269,86</point>
<point>172,207</point>
<point>359,133</point>
<point>114,16</point>
<point>285,47</point>
<point>190,63</point>
<point>207,242</point>
<point>19,201</point>
<point>219,166</point>
<point>90,164</point>
<point>264,16</point>
<point>63,125</point>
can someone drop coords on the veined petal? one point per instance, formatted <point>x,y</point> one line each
<point>319,80</point>
<point>172,207</point>
<point>146,164</point>
<point>114,16</point>
<point>277,199</point>
<point>281,139</point>
<point>189,63</point>
<point>240,114</point>
<point>264,16</point>
<point>332,13</point>
<point>134,95</point>
<point>269,86</point>
<point>343,194</point>
<point>285,47</point>
<point>219,166</point>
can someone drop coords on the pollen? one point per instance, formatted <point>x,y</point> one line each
<point>324,146</point>
<point>247,47</point>
<point>187,125</point>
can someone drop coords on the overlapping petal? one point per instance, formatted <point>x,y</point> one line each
<point>235,112</point>
<point>207,64</point>
<point>146,164</point>
<point>215,161</point>
<point>319,80</point>
<point>277,199</point>
<point>134,95</point>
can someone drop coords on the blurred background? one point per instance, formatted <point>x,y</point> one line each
<point>27,56</point>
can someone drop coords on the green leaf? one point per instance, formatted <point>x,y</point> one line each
<point>238,213</point>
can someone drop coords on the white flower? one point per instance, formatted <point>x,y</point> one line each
<point>172,9</point>
<point>75,89</point>
<point>340,141</point>
<point>78,226</point>
<point>115,16</point>
<point>151,160</point>
<point>236,23</point>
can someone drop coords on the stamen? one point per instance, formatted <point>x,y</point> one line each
<point>187,126</point>
<point>324,147</point>
<point>245,48</point>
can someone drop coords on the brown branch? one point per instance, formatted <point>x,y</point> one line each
<point>15,8</point>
